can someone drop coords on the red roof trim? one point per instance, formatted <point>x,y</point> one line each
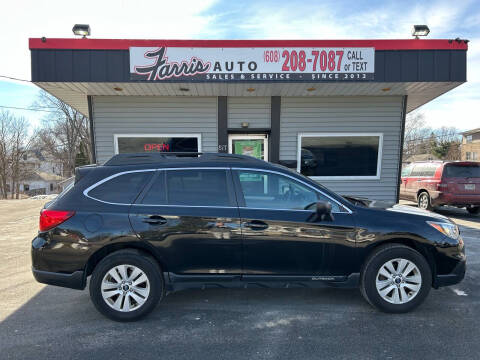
<point>124,44</point>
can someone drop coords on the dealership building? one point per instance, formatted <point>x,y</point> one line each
<point>333,110</point>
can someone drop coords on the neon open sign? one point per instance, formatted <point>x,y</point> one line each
<point>139,144</point>
<point>156,147</point>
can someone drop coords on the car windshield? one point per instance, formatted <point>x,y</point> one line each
<point>461,171</point>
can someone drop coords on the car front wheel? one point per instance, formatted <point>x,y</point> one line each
<point>396,278</point>
<point>126,285</point>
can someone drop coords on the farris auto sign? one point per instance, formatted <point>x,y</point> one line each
<point>251,64</point>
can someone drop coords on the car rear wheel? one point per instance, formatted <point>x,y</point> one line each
<point>126,285</point>
<point>473,210</point>
<point>423,201</point>
<point>396,279</point>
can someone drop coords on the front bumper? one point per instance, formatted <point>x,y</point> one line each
<point>454,277</point>
<point>76,280</point>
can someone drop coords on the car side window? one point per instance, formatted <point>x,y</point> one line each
<point>157,194</point>
<point>202,187</point>
<point>407,170</point>
<point>424,170</point>
<point>121,189</point>
<point>267,190</point>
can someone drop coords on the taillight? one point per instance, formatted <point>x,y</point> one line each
<point>442,186</point>
<point>51,218</point>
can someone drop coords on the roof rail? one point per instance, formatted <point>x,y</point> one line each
<point>148,158</point>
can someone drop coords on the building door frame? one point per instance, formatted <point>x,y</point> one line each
<point>250,136</point>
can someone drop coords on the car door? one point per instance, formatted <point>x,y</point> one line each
<point>279,234</point>
<point>191,217</point>
<point>412,182</point>
<point>405,177</point>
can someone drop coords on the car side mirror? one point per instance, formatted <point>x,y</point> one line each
<point>323,212</point>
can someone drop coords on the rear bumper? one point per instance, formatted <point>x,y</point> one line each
<point>56,267</point>
<point>454,277</point>
<point>75,280</point>
<point>442,198</point>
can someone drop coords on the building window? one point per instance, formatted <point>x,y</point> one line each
<point>139,143</point>
<point>469,138</point>
<point>51,187</point>
<point>474,156</point>
<point>340,155</point>
<point>26,187</point>
<point>468,155</point>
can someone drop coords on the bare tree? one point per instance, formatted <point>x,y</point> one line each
<point>416,132</point>
<point>445,141</point>
<point>454,152</point>
<point>5,145</point>
<point>421,139</point>
<point>15,141</point>
<point>65,131</point>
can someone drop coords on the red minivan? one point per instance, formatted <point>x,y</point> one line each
<point>436,183</point>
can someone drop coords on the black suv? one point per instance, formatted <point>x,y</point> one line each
<point>143,225</point>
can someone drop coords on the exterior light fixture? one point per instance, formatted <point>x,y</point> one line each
<point>81,30</point>
<point>245,124</point>
<point>250,89</point>
<point>311,89</point>
<point>420,30</point>
<point>386,89</point>
<point>117,89</point>
<point>184,89</point>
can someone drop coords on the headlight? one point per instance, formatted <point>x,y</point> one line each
<point>448,229</point>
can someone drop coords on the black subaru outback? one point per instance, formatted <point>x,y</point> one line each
<point>143,225</point>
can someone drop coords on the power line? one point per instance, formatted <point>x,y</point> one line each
<point>14,78</point>
<point>29,109</point>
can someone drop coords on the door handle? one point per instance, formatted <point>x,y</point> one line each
<point>256,225</point>
<point>155,220</point>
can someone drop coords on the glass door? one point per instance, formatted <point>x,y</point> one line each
<point>251,145</point>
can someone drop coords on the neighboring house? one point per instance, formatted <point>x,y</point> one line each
<point>41,183</point>
<point>42,174</point>
<point>470,148</point>
<point>420,157</point>
<point>37,160</point>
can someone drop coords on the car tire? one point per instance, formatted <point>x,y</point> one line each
<point>423,201</point>
<point>415,289</point>
<point>474,210</point>
<point>135,280</point>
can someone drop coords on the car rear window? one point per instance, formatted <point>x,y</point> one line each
<point>122,188</point>
<point>204,187</point>
<point>461,171</point>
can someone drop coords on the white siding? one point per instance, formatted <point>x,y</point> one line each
<point>347,114</point>
<point>255,110</point>
<point>153,115</point>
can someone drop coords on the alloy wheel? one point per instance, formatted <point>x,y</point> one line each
<point>398,281</point>
<point>125,288</point>
<point>423,201</point>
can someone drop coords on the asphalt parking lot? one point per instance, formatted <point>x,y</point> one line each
<point>38,321</point>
